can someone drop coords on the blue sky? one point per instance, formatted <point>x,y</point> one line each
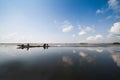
<point>59,20</point>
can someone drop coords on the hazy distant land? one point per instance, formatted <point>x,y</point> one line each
<point>69,44</point>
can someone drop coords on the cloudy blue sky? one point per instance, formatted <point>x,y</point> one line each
<point>59,20</point>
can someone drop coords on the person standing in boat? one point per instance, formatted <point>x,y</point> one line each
<point>44,45</point>
<point>28,46</point>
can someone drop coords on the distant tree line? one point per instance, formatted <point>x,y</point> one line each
<point>83,43</point>
<point>116,43</point>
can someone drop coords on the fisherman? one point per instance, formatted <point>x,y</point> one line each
<point>28,45</point>
<point>44,45</point>
<point>47,45</point>
<point>22,45</point>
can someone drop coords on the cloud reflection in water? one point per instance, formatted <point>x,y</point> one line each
<point>60,63</point>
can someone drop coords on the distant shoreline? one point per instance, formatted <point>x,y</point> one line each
<point>68,44</point>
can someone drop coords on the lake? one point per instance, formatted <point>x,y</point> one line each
<point>59,63</point>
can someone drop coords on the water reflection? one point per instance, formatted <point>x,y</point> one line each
<point>97,49</point>
<point>67,60</point>
<point>116,58</point>
<point>74,51</point>
<point>115,53</point>
<point>60,63</point>
<point>86,57</point>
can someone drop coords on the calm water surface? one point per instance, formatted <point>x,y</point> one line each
<point>59,63</point>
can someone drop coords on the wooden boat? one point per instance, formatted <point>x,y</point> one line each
<point>31,46</point>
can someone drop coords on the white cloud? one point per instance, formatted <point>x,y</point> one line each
<point>108,17</point>
<point>98,37</point>
<point>86,30</point>
<point>115,29</point>
<point>117,17</point>
<point>16,37</point>
<point>12,37</point>
<point>91,38</point>
<point>114,5</point>
<point>99,11</point>
<point>112,36</point>
<point>95,38</point>
<point>73,35</point>
<point>114,33</point>
<point>89,29</point>
<point>67,27</point>
<point>81,33</point>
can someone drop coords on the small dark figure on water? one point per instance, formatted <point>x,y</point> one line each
<point>28,45</point>
<point>45,46</point>
<point>22,46</point>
